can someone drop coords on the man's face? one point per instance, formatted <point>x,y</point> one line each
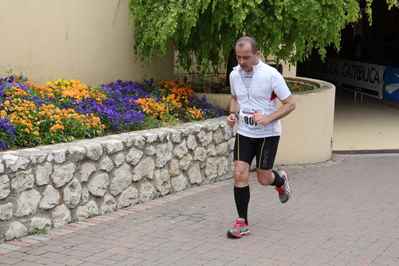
<point>246,58</point>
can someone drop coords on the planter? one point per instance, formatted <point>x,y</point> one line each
<point>66,182</point>
<point>308,131</point>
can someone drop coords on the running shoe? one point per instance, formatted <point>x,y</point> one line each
<point>284,192</point>
<point>240,229</point>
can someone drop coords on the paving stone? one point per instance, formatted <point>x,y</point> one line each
<point>342,212</point>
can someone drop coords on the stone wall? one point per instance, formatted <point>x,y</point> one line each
<point>61,183</point>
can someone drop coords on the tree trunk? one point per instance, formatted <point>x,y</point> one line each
<point>231,62</point>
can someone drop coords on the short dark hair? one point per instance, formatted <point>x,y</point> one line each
<point>243,40</point>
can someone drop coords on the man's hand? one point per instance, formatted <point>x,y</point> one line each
<point>287,107</point>
<point>231,120</point>
<point>260,119</point>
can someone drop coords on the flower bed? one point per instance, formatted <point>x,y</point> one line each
<point>219,94</point>
<point>63,111</point>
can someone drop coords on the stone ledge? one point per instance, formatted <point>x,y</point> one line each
<point>69,182</point>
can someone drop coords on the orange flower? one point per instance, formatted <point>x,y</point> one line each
<point>55,127</point>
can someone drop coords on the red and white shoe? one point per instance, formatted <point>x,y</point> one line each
<point>284,192</point>
<point>240,229</point>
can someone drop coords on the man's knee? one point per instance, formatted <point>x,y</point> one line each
<point>241,178</point>
<point>265,177</point>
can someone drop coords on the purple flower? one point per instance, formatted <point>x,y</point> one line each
<point>210,111</point>
<point>3,146</point>
<point>7,132</point>
<point>6,127</point>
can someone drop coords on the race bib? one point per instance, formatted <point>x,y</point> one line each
<point>246,119</point>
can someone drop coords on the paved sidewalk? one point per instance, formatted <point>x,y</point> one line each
<point>342,212</point>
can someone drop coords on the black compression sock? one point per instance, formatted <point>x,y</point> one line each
<point>241,197</point>
<point>278,180</point>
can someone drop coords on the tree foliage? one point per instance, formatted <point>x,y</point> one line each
<point>205,31</point>
<point>369,11</point>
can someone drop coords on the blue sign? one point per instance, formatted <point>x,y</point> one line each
<point>391,85</point>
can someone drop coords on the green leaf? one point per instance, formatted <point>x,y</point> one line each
<point>205,31</point>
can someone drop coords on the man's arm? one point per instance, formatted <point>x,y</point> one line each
<point>287,107</point>
<point>235,108</point>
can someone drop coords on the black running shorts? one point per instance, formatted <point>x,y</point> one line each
<point>264,149</point>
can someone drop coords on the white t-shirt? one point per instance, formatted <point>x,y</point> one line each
<point>267,85</point>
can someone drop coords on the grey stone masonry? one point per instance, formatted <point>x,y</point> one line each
<point>67,182</point>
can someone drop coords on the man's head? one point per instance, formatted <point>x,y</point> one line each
<point>247,53</point>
